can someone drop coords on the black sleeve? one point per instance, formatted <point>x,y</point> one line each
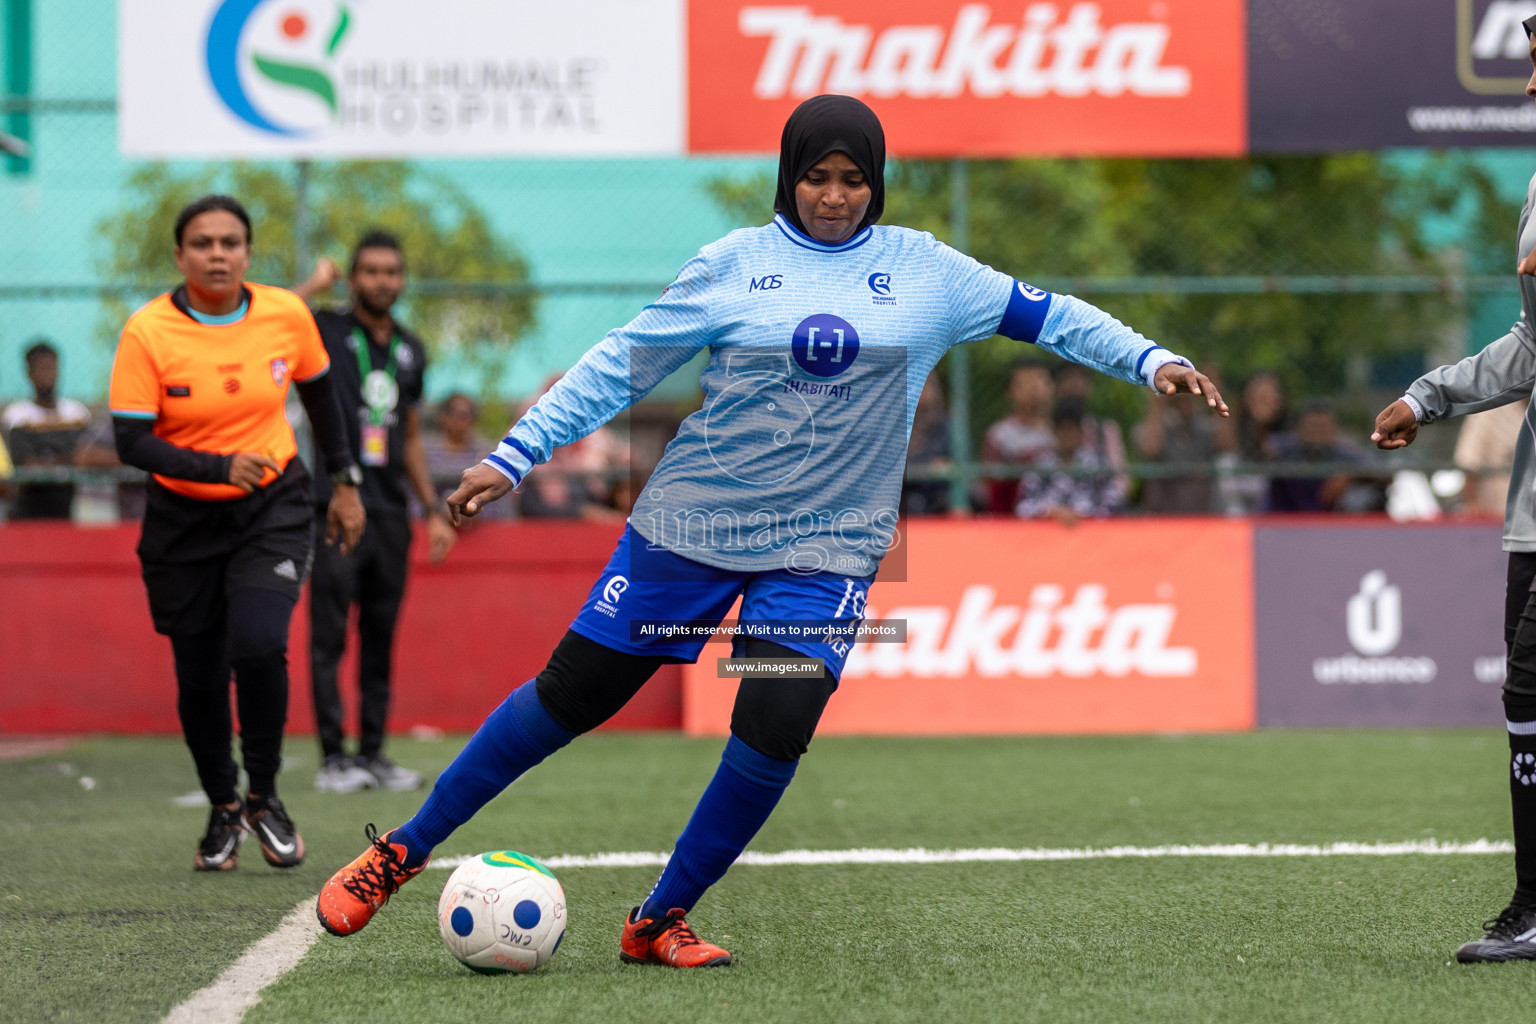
<point>138,446</point>
<point>325,416</point>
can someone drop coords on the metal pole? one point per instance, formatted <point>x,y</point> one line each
<point>18,82</point>
<point>303,230</point>
<point>303,221</point>
<point>959,356</point>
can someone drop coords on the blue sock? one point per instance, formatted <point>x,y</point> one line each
<point>513,738</point>
<point>744,791</point>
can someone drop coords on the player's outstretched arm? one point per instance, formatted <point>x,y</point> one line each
<point>614,374</point>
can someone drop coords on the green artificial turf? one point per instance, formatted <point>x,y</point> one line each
<point>103,920</point>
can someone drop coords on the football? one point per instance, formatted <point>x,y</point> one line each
<point>502,913</point>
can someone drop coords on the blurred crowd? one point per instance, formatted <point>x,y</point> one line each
<point>1049,457</point>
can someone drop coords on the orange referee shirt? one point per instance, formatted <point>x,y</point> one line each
<point>219,388</point>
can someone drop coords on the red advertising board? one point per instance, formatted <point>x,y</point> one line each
<point>1113,77</point>
<point>1106,627</point>
<point>78,652</point>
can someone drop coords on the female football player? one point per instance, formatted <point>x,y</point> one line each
<point>198,388</point>
<point>782,490</point>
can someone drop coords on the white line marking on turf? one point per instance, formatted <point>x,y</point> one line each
<point>918,855</point>
<point>225,1000</point>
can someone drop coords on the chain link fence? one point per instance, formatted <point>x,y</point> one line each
<point>1335,278</point>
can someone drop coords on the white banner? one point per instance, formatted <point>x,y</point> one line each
<point>399,78</point>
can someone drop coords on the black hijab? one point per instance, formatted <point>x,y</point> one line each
<point>830,124</point>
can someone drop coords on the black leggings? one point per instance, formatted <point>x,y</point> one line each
<point>253,641</point>
<point>586,683</point>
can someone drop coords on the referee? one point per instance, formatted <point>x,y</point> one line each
<point>378,379</point>
<point>198,387</point>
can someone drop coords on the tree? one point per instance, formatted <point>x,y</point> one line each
<point>449,244</point>
<point>1276,217</point>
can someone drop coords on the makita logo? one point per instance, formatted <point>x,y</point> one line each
<point>1049,50</point>
<point>1082,638</point>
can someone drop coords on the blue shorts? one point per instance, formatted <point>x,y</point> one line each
<point>644,587</point>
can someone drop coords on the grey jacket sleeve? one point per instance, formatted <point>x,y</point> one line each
<point>1499,374</point>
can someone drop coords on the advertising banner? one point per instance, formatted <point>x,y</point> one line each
<point>1373,73</point>
<point>1106,627</point>
<point>1372,625</point>
<point>352,78</point>
<point>1113,77</point>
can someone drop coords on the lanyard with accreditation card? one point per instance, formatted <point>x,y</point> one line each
<point>381,393</point>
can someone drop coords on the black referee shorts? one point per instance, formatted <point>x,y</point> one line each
<point>193,552</point>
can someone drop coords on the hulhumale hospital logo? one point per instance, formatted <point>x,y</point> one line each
<point>292,49</point>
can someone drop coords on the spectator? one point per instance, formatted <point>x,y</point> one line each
<point>928,450</point>
<point>1076,381</point>
<point>98,450</point>
<point>1261,420</point>
<point>455,446</point>
<point>44,431</point>
<point>1174,433</point>
<point>1022,436</point>
<point>1050,491</point>
<point>1485,449</point>
<point>1262,417</point>
<point>1316,440</point>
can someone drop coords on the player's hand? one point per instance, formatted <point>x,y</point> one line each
<point>1528,265</point>
<point>440,536</point>
<point>1396,426</point>
<point>248,469</point>
<point>479,485</point>
<point>345,518</point>
<point>1172,378</point>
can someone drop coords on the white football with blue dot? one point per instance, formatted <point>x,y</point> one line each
<point>502,913</point>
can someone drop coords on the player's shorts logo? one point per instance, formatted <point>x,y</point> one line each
<point>825,345</point>
<point>614,589</point>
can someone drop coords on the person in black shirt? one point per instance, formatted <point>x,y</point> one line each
<point>378,374</point>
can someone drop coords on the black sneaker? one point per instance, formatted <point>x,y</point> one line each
<point>280,841</point>
<point>1511,936</point>
<point>220,848</point>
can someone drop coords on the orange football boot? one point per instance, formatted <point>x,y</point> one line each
<point>356,892</point>
<point>667,940</point>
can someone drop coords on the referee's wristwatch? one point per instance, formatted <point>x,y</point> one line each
<point>352,476</point>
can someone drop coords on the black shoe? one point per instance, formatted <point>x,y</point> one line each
<point>280,841</point>
<point>220,848</point>
<point>1511,936</point>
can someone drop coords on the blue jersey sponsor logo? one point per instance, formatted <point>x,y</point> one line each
<point>880,284</point>
<point>825,345</point>
<point>767,283</point>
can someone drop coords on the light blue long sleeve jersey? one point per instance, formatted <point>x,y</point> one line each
<point>817,356</point>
